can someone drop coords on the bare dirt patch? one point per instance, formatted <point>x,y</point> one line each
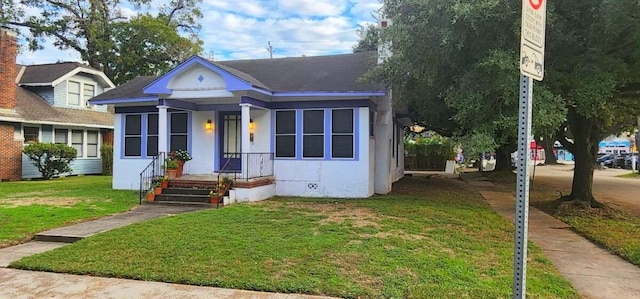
<point>49,201</point>
<point>340,213</point>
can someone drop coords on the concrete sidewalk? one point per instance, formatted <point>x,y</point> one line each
<point>594,272</point>
<point>55,238</point>
<point>31,284</point>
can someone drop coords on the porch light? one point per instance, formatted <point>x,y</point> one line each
<point>252,129</point>
<point>208,125</point>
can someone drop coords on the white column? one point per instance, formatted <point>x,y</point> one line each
<point>163,142</point>
<point>244,131</point>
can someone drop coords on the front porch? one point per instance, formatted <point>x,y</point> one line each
<point>253,181</point>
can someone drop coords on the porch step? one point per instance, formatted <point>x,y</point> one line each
<point>180,203</point>
<point>193,184</point>
<point>186,191</point>
<point>184,197</point>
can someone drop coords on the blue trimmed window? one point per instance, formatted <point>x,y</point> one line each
<point>342,133</point>
<point>132,135</point>
<point>315,133</point>
<point>285,134</point>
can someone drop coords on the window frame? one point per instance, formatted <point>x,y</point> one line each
<point>97,144</point>
<point>69,92</point>
<point>294,134</point>
<point>85,99</point>
<point>171,133</point>
<point>125,135</point>
<point>157,135</point>
<point>24,137</point>
<point>352,134</point>
<point>305,134</point>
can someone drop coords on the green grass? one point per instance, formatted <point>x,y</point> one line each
<point>432,238</point>
<point>631,175</point>
<point>29,207</point>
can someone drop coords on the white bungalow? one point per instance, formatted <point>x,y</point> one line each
<point>304,126</point>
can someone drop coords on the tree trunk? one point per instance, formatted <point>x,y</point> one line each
<point>503,158</point>
<point>549,156</point>
<point>586,138</point>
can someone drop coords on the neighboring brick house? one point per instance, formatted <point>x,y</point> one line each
<point>48,103</point>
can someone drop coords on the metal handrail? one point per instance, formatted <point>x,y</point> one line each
<point>153,171</point>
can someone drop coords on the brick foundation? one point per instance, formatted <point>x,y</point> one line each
<point>10,154</point>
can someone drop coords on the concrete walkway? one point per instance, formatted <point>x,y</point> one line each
<point>594,272</point>
<point>31,284</point>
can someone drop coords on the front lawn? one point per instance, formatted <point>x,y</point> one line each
<point>432,238</point>
<point>29,207</point>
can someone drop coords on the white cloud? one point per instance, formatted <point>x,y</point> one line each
<point>241,29</point>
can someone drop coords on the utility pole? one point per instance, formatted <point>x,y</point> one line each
<point>270,49</point>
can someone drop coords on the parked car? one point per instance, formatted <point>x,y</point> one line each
<point>628,160</point>
<point>606,160</point>
<point>618,161</point>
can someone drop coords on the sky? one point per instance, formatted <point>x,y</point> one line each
<point>242,29</point>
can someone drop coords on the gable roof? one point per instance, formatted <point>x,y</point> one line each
<point>316,73</point>
<point>133,89</point>
<point>52,73</point>
<point>324,74</point>
<point>31,108</point>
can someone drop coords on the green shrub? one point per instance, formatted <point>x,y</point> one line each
<point>429,153</point>
<point>50,159</point>
<point>106,152</point>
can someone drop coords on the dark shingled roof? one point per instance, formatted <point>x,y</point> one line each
<point>131,89</point>
<point>30,107</point>
<point>339,73</point>
<point>316,73</point>
<point>47,73</point>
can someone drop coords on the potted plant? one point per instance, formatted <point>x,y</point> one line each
<point>180,156</point>
<point>171,167</point>
<point>151,196</point>
<point>164,182</point>
<point>157,189</point>
<point>214,196</point>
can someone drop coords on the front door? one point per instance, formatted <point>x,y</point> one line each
<point>230,146</point>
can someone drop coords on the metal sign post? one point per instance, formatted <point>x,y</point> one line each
<point>522,188</point>
<point>532,42</point>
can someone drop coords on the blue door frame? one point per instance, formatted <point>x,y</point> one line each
<point>230,130</point>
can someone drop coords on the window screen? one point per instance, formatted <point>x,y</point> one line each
<point>133,135</point>
<point>152,135</point>
<point>61,136</point>
<point>313,134</point>
<point>31,134</point>
<point>286,134</point>
<point>73,94</point>
<point>92,143</point>
<point>77,141</point>
<point>342,133</point>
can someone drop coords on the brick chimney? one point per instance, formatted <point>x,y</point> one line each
<point>8,52</point>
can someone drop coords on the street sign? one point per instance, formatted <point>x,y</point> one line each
<point>532,38</point>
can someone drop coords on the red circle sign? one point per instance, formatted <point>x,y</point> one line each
<point>534,5</point>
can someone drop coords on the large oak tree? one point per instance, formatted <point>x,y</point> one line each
<point>158,36</point>
<point>457,63</point>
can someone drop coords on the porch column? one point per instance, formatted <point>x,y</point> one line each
<point>163,141</point>
<point>246,142</point>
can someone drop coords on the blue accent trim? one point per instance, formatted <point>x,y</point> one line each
<point>298,134</point>
<point>273,133</point>
<point>216,140</point>
<point>218,107</point>
<point>159,86</point>
<point>144,131</point>
<point>327,134</point>
<point>254,102</point>
<point>121,100</point>
<point>137,109</point>
<point>356,134</point>
<point>178,104</point>
<point>221,144</point>
<point>321,104</point>
<point>328,93</point>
